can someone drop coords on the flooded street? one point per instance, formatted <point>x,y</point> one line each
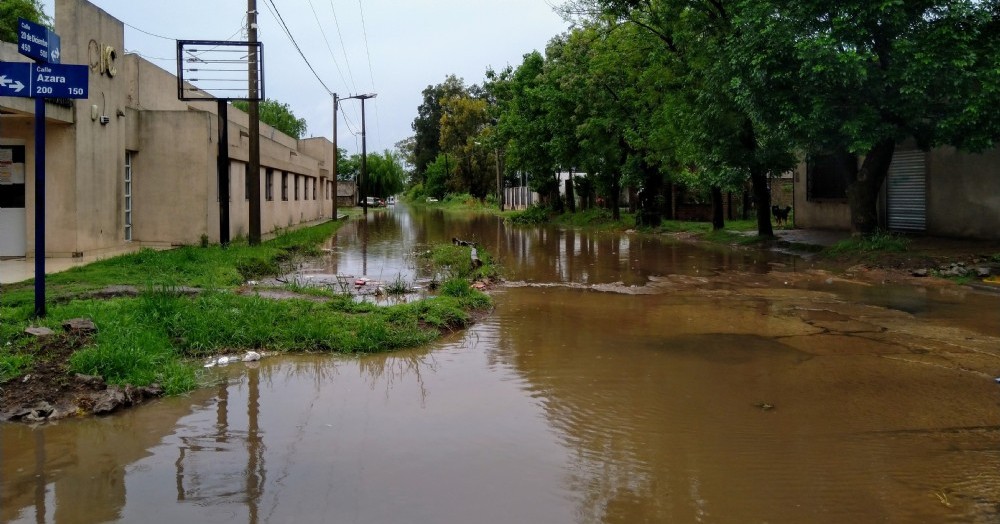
<point>620,379</point>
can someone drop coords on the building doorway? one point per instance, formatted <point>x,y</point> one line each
<point>13,217</point>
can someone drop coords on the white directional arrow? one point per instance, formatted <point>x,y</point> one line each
<point>55,54</point>
<point>16,85</point>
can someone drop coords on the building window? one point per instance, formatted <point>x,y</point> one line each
<point>246,181</point>
<point>128,196</point>
<point>284,185</point>
<point>269,184</point>
<point>314,188</point>
<point>296,187</point>
<point>827,176</point>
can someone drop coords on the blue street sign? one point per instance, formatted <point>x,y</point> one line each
<point>38,42</point>
<point>28,80</point>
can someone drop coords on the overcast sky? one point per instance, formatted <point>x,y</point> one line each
<point>412,44</point>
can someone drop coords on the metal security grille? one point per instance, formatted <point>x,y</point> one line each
<point>907,192</point>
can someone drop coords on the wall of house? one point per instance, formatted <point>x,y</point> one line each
<point>817,214</point>
<point>171,185</point>
<point>98,174</point>
<point>963,193</point>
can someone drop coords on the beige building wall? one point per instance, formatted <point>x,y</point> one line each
<point>173,145</point>
<point>817,214</point>
<point>963,193</point>
<point>170,183</point>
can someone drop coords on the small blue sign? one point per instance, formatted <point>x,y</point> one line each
<point>29,80</point>
<point>38,42</point>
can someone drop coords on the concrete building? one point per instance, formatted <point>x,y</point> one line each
<point>146,175</point>
<point>942,192</point>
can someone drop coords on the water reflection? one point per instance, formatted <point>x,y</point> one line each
<point>74,471</point>
<point>382,247</point>
<point>727,393</point>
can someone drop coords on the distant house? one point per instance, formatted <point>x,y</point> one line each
<point>941,192</point>
<point>346,191</point>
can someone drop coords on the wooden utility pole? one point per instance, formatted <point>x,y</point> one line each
<point>333,171</point>
<point>254,131</point>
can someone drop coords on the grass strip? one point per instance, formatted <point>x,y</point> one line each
<point>152,338</point>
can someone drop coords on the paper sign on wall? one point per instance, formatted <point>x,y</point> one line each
<point>6,166</point>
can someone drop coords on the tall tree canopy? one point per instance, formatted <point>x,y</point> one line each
<point>427,125</point>
<point>278,116</point>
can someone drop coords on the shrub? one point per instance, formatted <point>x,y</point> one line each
<point>532,216</point>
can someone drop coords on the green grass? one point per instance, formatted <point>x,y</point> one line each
<point>880,242</point>
<point>456,262</point>
<point>153,337</point>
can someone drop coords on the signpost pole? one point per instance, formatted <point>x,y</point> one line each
<point>46,78</point>
<point>39,207</point>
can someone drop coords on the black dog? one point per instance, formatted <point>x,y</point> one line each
<point>780,215</point>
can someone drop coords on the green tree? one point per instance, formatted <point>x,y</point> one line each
<point>870,75</point>
<point>11,10</point>
<point>722,137</point>
<point>348,166</point>
<point>278,116</point>
<point>427,125</point>
<point>463,127</point>
<point>524,123</point>
<point>436,177</point>
<point>385,174</point>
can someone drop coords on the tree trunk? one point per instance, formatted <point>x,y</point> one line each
<point>862,193</point>
<point>762,199</point>
<point>570,195</point>
<point>616,197</point>
<point>718,223</point>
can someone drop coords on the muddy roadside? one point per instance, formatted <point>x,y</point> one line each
<point>49,390</point>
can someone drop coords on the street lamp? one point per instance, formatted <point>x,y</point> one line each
<point>364,151</point>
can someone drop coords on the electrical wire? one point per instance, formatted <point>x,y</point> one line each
<point>327,42</point>
<point>371,73</point>
<point>343,47</point>
<point>330,49</point>
<point>281,21</point>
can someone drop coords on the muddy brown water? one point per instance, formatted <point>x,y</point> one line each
<point>620,379</point>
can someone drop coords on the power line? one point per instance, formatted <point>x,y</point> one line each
<point>343,50</point>
<point>332,56</point>
<point>327,42</point>
<point>371,73</point>
<point>288,33</point>
<point>343,47</point>
<point>147,32</point>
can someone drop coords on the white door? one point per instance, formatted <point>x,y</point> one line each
<point>13,225</point>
